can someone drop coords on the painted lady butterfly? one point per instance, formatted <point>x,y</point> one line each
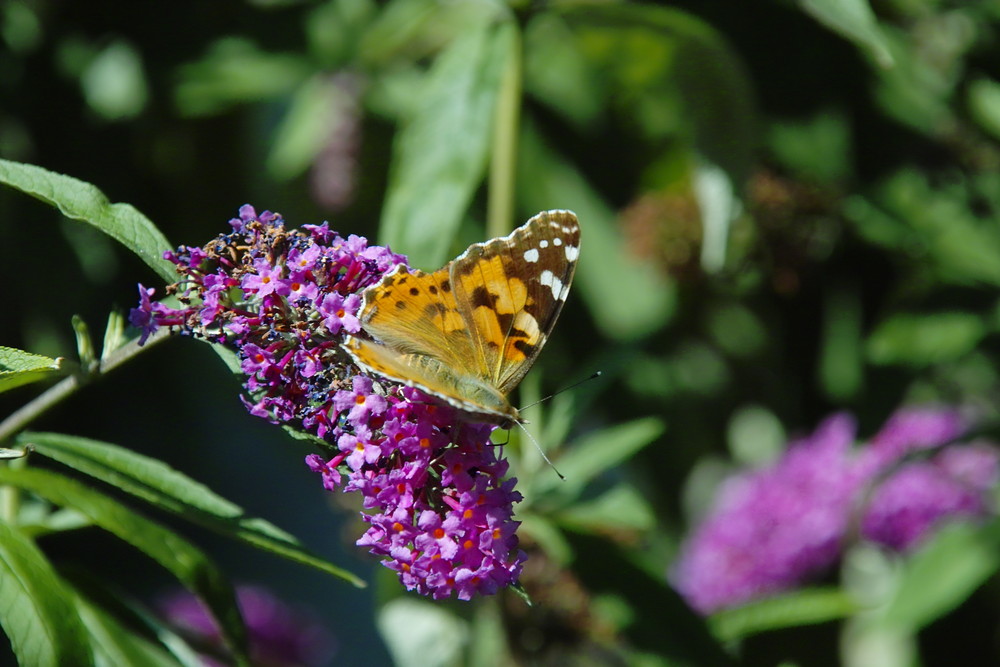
<point>470,331</point>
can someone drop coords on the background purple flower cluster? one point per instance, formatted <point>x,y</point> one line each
<point>279,635</point>
<point>773,528</point>
<point>434,490</point>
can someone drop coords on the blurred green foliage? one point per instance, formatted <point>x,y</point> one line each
<point>787,209</point>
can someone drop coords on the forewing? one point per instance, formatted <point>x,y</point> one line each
<point>512,289</point>
<point>412,312</point>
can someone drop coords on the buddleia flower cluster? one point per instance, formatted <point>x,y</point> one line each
<point>775,527</point>
<point>436,496</point>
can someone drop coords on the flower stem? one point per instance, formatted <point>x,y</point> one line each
<point>19,419</point>
<point>503,164</point>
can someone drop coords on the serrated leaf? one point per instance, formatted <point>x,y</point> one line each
<point>178,556</point>
<point>36,610</point>
<point>18,367</point>
<point>440,154</point>
<point>84,202</point>
<point>164,487</point>
<point>597,452</point>
<point>803,607</point>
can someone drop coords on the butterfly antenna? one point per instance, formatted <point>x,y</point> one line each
<point>540,451</point>
<point>596,375</point>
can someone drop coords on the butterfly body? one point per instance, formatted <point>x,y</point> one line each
<point>470,331</point>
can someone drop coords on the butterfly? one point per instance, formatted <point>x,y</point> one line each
<point>470,331</point>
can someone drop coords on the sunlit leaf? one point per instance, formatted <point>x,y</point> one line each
<point>617,510</point>
<point>984,104</point>
<point>803,607</point>
<point>18,367</point>
<point>36,610</point>
<point>117,645</point>
<point>178,556</point>
<point>300,136</point>
<point>421,634</point>
<point>114,83</point>
<point>942,573</point>
<point>407,30</point>
<point>921,340</point>
<point>597,452</point>
<point>84,202</point>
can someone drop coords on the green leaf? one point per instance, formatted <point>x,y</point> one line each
<point>935,223</point>
<point>855,20</point>
<point>619,509</point>
<point>116,607</point>
<point>419,633</point>
<point>160,485</point>
<point>803,607</point>
<point>984,104</point>
<point>922,340</point>
<point>117,645</point>
<point>299,136</point>
<point>940,575</point>
<point>676,77</point>
<point>547,536</point>
<point>556,70</point>
<point>18,367</point>
<point>36,610</point>
<point>440,154</point>
<point>182,559</point>
<point>405,31</point>
<point>234,72</point>
<point>597,452</point>
<point>84,202</point>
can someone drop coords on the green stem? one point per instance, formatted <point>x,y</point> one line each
<point>17,421</point>
<point>503,164</point>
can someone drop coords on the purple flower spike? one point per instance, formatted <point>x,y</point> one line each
<point>772,529</point>
<point>436,498</point>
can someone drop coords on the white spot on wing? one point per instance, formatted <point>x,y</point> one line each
<point>557,241</point>
<point>531,256</point>
<point>544,243</point>
<point>572,252</point>
<point>550,279</point>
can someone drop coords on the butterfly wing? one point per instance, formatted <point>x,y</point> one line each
<point>512,290</point>
<point>420,338</point>
<point>469,332</point>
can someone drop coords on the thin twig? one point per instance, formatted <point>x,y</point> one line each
<point>27,413</point>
